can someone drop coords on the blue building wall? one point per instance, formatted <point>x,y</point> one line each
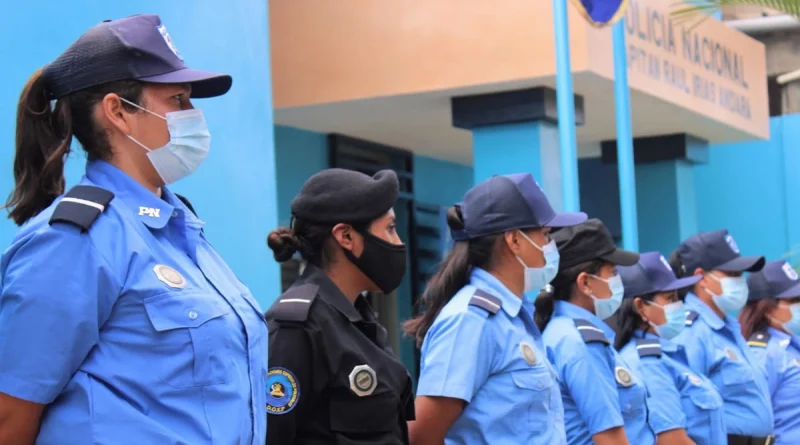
<point>751,188</point>
<point>298,155</point>
<point>234,190</point>
<point>440,182</point>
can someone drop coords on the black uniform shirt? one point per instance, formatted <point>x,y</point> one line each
<point>332,378</point>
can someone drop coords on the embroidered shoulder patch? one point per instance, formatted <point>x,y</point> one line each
<point>283,391</point>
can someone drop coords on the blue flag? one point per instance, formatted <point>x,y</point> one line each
<point>601,13</point>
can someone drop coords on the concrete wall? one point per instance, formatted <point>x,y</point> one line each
<point>234,190</point>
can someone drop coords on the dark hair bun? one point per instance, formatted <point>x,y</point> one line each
<point>283,243</point>
<point>454,218</point>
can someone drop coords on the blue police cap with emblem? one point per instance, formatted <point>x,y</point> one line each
<point>777,279</point>
<point>652,274</point>
<point>716,250</point>
<point>508,202</point>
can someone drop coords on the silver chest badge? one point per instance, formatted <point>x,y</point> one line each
<point>527,353</point>
<point>363,380</point>
<point>169,276</point>
<point>623,376</point>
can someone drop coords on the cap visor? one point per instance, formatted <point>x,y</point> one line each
<point>567,219</point>
<point>204,84</point>
<point>743,264</point>
<point>792,292</point>
<point>682,283</point>
<point>621,257</point>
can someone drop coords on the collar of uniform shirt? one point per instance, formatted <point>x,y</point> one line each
<point>489,283</point>
<point>149,208</point>
<point>569,310</point>
<point>331,293</point>
<point>694,303</point>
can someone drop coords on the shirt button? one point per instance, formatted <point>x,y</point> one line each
<point>192,315</point>
<point>629,406</point>
<point>539,385</point>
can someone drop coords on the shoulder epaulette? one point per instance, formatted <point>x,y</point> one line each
<point>590,332</point>
<point>758,339</point>
<point>81,206</point>
<point>648,347</point>
<point>294,304</point>
<point>691,316</point>
<point>483,300</point>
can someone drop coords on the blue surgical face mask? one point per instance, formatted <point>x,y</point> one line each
<point>676,320</point>
<point>793,325</point>
<point>605,308</point>
<point>733,297</point>
<point>188,146</point>
<point>538,277</point>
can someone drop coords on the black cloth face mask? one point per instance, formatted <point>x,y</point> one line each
<point>382,262</point>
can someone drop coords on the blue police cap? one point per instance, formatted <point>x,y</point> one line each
<point>777,279</point>
<point>716,251</point>
<point>509,202</point>
<point>133,48</point>
<point>652,274</point>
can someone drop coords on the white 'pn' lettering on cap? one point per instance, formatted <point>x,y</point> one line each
<point>732,243</point>
<point>168,39</point>
<point>789,271</point>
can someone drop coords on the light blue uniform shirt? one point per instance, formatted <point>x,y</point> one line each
<point>679,397</point>
<point>496,363</point>
<point>715,348</point>
<point>780,357</point>
<point>135,332</point>
<point>599,389</point>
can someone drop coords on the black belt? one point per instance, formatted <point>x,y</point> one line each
<point>734,439</point>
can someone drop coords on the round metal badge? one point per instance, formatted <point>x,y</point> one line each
<point>363,380</point>
<point>623,376</point>
<point>527,353</point>
<point>283,392</point>
<point>169,276</point>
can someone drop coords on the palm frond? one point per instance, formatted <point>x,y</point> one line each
<point>699,10</point>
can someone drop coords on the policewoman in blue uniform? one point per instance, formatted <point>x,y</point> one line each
<point>484,374</point>
<point>713,339</point>
<point>605,402</point>
<point>119,323</point>
<point>685,407</point>
<point>333,377</point>
<point>771,323</point>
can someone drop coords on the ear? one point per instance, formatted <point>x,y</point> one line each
<point>115,113</point>
<point>638,306</point>
<point>582,282</point>
<point>699,271</point>
<point>343,234</point>
<point>512,240</point>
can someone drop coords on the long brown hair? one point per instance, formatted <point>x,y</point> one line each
<point>754,316</point>
<point>44,134</point>
<point>452,275</point>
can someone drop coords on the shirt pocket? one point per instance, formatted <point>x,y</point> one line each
<point>364,420</point>
<point>534,387</point>
<point>632,400</point>
<point>736,376</point>
<point>191,338</point>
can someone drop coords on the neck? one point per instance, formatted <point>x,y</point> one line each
<point>345,282</point>
<point>511,282</point>
<point>581,300</point>
<point>776,324</point>
<point>708,299</point>
<point>130,168</point>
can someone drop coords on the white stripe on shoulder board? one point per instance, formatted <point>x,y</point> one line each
<point>295,300</point>
<point>487,301</point>
<point>591,328</point>
<point>648,346</point>
<point>84,202</point>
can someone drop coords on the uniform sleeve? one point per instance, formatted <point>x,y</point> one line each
<point>664,403</point>
<point>57,291</point>
<point>591,383</point>
<point>291,393</point>
<point>456,357</point>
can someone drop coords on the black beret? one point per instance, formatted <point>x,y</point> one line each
<point>336,195</point>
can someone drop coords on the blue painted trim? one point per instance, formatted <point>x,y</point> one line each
<point>627,178</point>
<point>566,109</point>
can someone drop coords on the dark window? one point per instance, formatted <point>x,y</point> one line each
<point>775,96</point>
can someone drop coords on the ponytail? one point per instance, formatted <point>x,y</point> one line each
<point>43,138</point>
<point>679,269</point>
<point>561,289</point>
<point>629,320</point>
<point>453,274</point>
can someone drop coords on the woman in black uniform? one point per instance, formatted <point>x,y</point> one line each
<point>332,376</point>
